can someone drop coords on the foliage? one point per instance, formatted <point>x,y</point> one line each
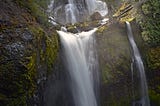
<point>155,98</point>
<point>153,59</point>
<point>37,9</point>
<point>125,12</point>
<point>17,86</point>
<point>115,65</point>
<point>101,29</point>
<point>47,46</point>
<point>151,23</point>
<point>19,73</point>
<point>51,51</point>
<point>123,6</point>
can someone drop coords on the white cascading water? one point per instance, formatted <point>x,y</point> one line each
<point>97,6</point>
<point>70,13</point>
<point>139,64</point>
<point>82,65</point>
<point>92,5</point>
<point>50,6</point>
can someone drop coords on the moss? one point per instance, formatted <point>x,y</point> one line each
<point>47,46</point>
<point>13,92</point>
<point>31,74</point>
<point>72,28</point>
<point>2,97</point>
<point>154,98</point>
<point>126,12</point>
<point>150,23</point>
<point>123,101</point>
<point>146,9</point>
<point>106,75</point>
<point>36,9</point>
<point>24,85</point>
<point>102,29</point>
<point>17,101</point>
<point>51,50</point>
<point>18,75</point>
<point>153,59</point>
<point>123,6</point>
<point>129,16</point>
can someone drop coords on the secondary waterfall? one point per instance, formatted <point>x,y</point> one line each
<point>72,11</point>
<point>82,65</point>
<point>139,64</point>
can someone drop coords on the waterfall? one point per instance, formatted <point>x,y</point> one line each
<point>74,11</point>
<point>50,6</point>
<point>71,11</point>
<point>82,65</point>
<point>139,64</point>
<point>97,6</point>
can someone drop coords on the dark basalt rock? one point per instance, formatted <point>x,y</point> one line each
<point>15,49</point>
<point>96,16</point>
<point>28,50</point>
<point>27,35</point>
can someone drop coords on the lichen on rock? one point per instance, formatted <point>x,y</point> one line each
<point>23,56</point>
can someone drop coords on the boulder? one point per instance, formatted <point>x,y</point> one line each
<point>96,16</point>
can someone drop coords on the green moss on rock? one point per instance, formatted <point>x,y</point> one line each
<point>154,98</point>
<point>38,47</point>
<point>51,50</point>
<point>153,59</point>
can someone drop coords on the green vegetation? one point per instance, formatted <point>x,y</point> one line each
<point>37,9</point>
<point>151,22</point>
<point>39,43</point>
<point>154,97</point>
<point>48,54</point>
<point>19,83</point>
<point>125,13</point>
<point>102,29</point>
<point>114,60</point>
<point>150,25</point>
<point>51,50</point>
<point>153,58</point>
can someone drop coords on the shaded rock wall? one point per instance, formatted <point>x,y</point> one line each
<point>28,49</point>
<point>57,91</point>
<point>115,61</point>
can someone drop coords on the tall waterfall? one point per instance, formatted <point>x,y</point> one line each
<point>73,11</point>
<point>139,64</point>
<point>82,65</point>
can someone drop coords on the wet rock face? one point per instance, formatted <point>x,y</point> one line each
<point>114,60</point>
<point>15,41</point>
<point>27,54</point>
<point>27,36</point>
<point>15,49</point>
<point>12,70</point>
<point>96,16</point>
<point>57,91</point>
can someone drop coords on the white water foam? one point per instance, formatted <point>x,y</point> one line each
<point>81,64</point>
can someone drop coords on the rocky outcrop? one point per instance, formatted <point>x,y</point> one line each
<point>115,60</point>
<point>28,50</point>
<point>31,62</point>
<point>96,16</point>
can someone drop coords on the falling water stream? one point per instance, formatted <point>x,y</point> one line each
<point>76,10</point>
<point>82,64</point>
<point>139,64</point>
<point>79,49</point>
<point>80,55</point>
